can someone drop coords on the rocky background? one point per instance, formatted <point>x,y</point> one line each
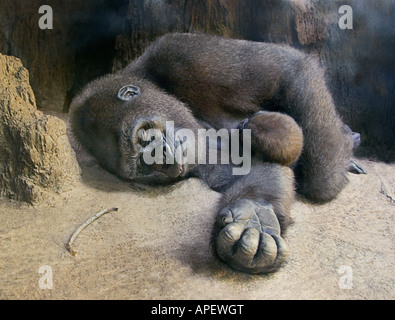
<point>94,37</point>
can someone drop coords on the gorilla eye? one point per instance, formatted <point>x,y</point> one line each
<point>128,92</point>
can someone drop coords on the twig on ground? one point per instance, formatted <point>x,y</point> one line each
<point>83,226</point>
<point>387,191</point>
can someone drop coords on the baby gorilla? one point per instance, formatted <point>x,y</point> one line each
<point>198,82</point>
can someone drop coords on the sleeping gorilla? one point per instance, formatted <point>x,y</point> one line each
<point>202,81</point>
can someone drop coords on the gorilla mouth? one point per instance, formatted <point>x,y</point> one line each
<point>173,171</point>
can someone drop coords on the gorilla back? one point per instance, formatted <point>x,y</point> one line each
<point>201,81</point>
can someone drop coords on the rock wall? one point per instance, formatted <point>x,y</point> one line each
<point>36,160</point>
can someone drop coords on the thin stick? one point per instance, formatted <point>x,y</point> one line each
<point>387,191</point>
<point>83,226</point>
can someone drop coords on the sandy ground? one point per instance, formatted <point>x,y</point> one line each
<point>157,246</point>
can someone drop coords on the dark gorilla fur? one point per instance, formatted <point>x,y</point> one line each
<point>201,81</point>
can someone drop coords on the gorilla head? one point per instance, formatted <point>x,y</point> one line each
<point>119,119</point>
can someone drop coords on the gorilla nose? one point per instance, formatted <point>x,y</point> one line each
<point>160,149</point>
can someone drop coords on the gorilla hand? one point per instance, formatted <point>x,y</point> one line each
<point>250,238</point>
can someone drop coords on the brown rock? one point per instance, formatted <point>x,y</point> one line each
<point>36,160</point>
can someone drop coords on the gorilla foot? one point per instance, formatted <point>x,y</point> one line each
<point>250,238</point>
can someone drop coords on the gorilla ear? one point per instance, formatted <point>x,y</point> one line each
<point>128,92</point>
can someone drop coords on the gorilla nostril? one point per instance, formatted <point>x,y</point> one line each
<point>146,132</point>
<point>142,134</point>
<point>143,138</point>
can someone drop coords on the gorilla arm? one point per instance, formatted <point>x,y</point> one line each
<point>253,214</point>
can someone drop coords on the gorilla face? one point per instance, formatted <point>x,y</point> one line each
<point>132,128</point>
<point>152,148</point>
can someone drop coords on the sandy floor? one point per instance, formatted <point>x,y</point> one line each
<point>157,245</point>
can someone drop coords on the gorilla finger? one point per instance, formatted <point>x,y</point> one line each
<point>267,251</point>
<point>243,210</point>
<point>228,237</point>
<point>282,250</point>
<point>225,217</point>
<point>240,210</point>
<point>247,247</point>
<point>268,219</point>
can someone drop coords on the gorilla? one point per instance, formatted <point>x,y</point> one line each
<point>277,94</point>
